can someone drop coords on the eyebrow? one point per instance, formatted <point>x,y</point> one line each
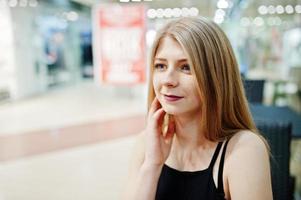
<point>180,60</point>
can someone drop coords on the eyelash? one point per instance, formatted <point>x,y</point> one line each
<point>160,67</point>
<point>186,65</point>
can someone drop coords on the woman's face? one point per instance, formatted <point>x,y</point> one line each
<point>174,84</point>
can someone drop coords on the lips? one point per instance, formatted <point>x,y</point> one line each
<point>172,98</point>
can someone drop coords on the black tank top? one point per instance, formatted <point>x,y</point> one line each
<point>185,185</point>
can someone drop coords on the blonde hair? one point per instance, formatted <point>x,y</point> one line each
<point>224,105</point>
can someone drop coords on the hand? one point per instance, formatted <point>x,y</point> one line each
<point>157,145</point>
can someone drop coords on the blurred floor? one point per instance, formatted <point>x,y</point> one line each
<point>87,172</point>
<point>71,143</point>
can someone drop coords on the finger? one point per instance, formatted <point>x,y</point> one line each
<point>158,117</point>
<point>171,129</point>
<point>155,105</point>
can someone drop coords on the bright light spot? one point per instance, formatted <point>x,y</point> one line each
<point>271,9</point>
<point>298,9</point>
<point>23,3</point>
<point>194,11</point>
<point>245,21</point>
<point>279,9</point>
<point>218,19</point>
<point>222,4</point>
<point>185,12</point>
<point>220,12</point>
<point>72,16</point>
<point>151,13</point>
<point>33,3</point>
<point>271,21</point>
<point>262,10</point>
<point>176,12</point>
<point>258,21</point>
<point>289,9</point>
<point>160,13</point>
<point>124,1</point>
<point>167,12</point>
<point>13,3</point>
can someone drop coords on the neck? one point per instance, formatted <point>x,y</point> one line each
<point>189,134</point>
<point>190,146</point>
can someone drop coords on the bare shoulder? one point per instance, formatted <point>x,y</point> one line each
<point>247,166</point>
<point>247,141</point>
<point>246,149</point>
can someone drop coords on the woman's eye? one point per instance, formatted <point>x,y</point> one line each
<point>160,66</point>
<point>185,68</point>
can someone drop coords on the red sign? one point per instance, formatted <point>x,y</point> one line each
<point>120,44</point>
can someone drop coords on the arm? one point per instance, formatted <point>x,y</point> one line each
<point>249,168</point>
<point>150,153</point>
<point>142,177</point>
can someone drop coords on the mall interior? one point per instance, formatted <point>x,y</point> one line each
<point>73,88</point>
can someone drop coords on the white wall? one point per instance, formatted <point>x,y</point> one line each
<point>26,54</point>
<point>7,56</point>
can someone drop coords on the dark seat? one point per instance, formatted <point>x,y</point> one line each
<point>278,135</point>
<point>254,90</point>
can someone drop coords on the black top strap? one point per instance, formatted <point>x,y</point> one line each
<point>215,155</point>
<point>220,186</point>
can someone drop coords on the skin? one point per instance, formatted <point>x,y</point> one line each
<point>246,168</point>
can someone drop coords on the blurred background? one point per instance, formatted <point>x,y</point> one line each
<point>73,86</point>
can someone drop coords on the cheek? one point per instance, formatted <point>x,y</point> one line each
<point>156,83</point>
<point>196,94</point>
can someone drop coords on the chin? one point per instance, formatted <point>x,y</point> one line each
<point>171,110</point>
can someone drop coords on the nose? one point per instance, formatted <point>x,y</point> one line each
<point>170,78</point>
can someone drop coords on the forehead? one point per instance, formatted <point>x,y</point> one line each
<point>170,48</point>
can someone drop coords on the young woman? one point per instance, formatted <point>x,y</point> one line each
<point>210,149</point>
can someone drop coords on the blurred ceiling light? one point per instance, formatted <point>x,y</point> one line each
<point>176,12</point>
<point>167,13</point>
<point>33,3</point>
<point>185,12</point>
<point>72,16</point>
<point>271,21</point>
<point>160,13</point>
<point>271,10</point>
<point>222,4</point>
<point>172,12</point>
<point>245,21</point>
<point>13,3</point>
<point>289,9</point>
<point>220,12</point>
<point>136,0</point>
<point>280,9</point>
<point>262,10</point>
<point>298,9</point>
<point>151,13</point>
<point>194,11</point>
<point>258,21</point>
<point>124,1</point>
<point>23,3</point>
<point>218,19</point>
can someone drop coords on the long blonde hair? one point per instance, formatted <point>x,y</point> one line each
<point>224,105</point>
